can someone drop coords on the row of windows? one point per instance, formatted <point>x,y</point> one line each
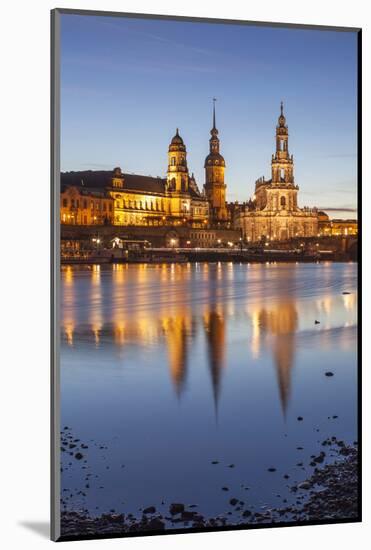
<point>140,205</point>
<point>203,236</point>
<point>201,211</point>
<point>84,220</point>
<point>181,161</point>
<point>75,203</point>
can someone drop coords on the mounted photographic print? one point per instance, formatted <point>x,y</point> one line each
<point>205,188</point>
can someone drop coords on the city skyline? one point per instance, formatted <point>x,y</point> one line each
<point>151,76</point>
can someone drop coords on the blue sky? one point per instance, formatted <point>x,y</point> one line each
<point>126,84</point>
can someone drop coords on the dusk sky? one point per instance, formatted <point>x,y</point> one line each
<point>127,84</point>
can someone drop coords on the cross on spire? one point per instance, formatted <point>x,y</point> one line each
<point>281,108</point>
<point>214,100</point>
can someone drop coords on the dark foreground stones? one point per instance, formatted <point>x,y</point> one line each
<point>333,491</point>
<point>176,508</point>
<point>330,493</point>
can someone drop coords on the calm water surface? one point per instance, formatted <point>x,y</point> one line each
<point>166,368</point>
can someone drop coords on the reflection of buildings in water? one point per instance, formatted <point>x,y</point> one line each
<point>177,331</point>
<point>214,323</point>
<point>95,298</point>
<point>68,303</point>
<point>350,301</point>
<point>281,321</point>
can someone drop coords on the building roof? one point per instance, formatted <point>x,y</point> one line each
<point>215,158</point>
<point>99,180</point>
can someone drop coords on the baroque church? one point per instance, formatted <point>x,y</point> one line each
<point>105,197</point>
<point>273,212</point>
<point>132,200</point>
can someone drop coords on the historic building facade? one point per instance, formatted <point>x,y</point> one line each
<point>336,227</point>
<point>82,206</point>
<point>273,212</point>
<point>136,200</point>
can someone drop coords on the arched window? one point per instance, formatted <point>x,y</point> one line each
<point>283,201</point>
<point>172,161</point>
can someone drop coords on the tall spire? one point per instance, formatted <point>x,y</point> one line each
<point>214,100</point>
<point>281,118</point>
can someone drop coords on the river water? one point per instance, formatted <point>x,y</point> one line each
<point>168,368</point>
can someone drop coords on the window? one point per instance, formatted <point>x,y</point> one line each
<point>172,161</point>
<point>73,203</point>
<point>85,204</point>
<point>110,206</point>
<point>283,201</point>
<point>65,203</point>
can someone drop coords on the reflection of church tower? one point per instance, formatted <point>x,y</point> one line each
<point>214,176</point>
<point>176,334</point>
<point>177,171</point>
<point>282,323</point>
<point>215,334</point>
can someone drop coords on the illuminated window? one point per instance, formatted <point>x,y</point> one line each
<point>172,161</point>
<point>283,202</point>
<point>65,203</point>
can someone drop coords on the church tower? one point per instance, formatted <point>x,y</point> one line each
<point>281,193</point>
<point>214,176</point>
<point>177,171</point>
<point>282,162</point>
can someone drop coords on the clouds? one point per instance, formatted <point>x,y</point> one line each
<point>337,209</point>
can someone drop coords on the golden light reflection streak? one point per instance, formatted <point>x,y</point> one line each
<point>96,319</point>
<point>324,305</point>
<point>350,301</point>
<point>68,304</point>
<point>118,279</point>
<point>256,333</point>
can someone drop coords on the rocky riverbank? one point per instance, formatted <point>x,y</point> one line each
<point>330,493</point>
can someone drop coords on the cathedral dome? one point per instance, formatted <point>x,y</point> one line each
<point>177,143</point>
<point>214,159</point>
<point>177,139</point>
